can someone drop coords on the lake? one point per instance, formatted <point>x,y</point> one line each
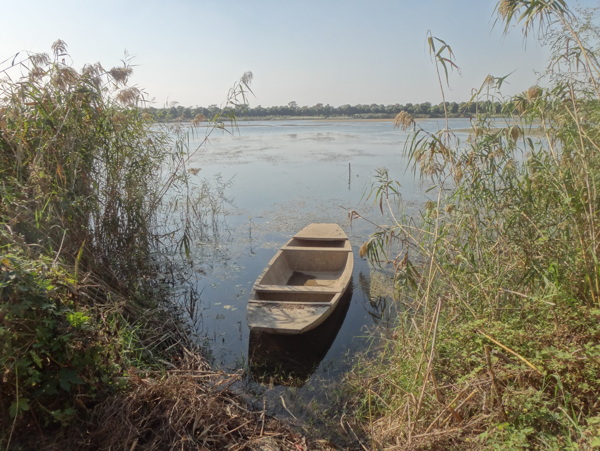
<point>284,175</point>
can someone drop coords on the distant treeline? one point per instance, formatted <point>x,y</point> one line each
<point>292,109</point>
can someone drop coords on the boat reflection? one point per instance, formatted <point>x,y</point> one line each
<point>290,360</point>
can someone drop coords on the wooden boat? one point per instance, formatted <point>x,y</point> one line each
<point>303,283</point>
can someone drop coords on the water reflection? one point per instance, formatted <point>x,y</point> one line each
<point>285,175</point>
<point>378,287</point>
<point>290,360</point>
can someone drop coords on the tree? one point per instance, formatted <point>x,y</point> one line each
<point>293,108</point>
<point>423,108</point>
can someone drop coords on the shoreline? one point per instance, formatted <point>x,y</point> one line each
<point>248,121</point>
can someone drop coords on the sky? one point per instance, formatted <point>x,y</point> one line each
<point>308,51</point>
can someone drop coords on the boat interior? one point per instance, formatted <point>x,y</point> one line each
<point>307,267</point>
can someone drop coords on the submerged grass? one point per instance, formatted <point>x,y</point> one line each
<point>498,347</point>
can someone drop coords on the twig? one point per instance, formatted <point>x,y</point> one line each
<point>239,427</point>
<point>262,417</point>
<point>62,241</point>
<point>488,360</point>
<point>12,429</point>
<point>285,407</point>
<point>444,432</point>
<point>459,406</point>
<point>526,296</point>
<point>353,433</point>
<point>448,407</point>
<point>519,356</point>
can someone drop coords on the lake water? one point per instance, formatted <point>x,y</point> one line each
<point>285,175</point>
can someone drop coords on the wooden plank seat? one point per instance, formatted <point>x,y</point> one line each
<point>294,289</point>
<point>321,249</point>
<point>284,304</point>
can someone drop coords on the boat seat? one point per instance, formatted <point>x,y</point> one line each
<point>295,289</point>
<point>314,249</point>
<point>283,303</point>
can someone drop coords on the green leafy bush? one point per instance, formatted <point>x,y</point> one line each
<point>53,354</point>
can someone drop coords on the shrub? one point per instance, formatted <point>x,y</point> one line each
<point>54,355</point>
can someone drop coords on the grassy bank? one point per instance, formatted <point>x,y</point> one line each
<point>93,354</point>
<point>498,346</point>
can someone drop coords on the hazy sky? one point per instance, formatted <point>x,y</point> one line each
<point>308,51</point>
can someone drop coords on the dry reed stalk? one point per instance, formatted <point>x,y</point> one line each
<point>433,333</point>
<point>488,361</point>
<point>448,407</point>
<point>516,354</point>
<point>178,411</point>
<point>452,414</point>
<point>345,424</point>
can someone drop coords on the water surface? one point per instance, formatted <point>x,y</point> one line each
<point>285,175</point>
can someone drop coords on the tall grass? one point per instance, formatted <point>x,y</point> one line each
<point>77,164</point>
<point>86,182</point>
<point>499,347</point>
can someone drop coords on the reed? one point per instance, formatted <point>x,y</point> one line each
<point>498,345</point>
<point>88,242</point>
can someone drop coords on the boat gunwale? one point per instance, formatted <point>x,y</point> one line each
<point>287,247</point>
<point>294,289</point>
